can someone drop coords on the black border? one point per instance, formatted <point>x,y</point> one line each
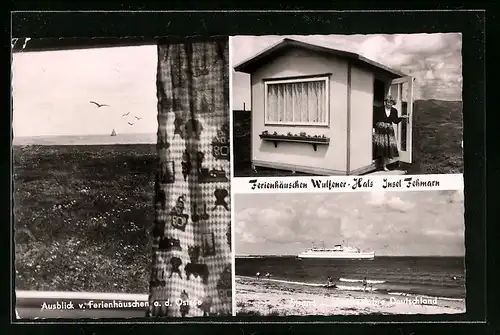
<point>470,24</point>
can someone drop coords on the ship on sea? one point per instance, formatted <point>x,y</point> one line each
<point>338,251</point>
<point>113,133</point>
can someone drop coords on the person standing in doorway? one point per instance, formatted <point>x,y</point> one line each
<point>384,140</point>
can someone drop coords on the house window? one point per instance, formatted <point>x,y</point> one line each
<point>297,102</point>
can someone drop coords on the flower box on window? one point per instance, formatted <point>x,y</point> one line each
<point>302,137</point>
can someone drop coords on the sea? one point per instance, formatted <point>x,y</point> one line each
<point>442,277</point>
<point>142,138</point>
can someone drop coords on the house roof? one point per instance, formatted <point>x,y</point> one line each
<point>263,57</point>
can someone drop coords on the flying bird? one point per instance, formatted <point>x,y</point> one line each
<point>138,118</point>
<point>130,123</point>
<point>98,104</point>
<point>125,114</point>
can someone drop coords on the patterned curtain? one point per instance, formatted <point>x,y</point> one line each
<point>191,268</point>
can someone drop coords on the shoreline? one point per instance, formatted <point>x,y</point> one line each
<point>267,297</point>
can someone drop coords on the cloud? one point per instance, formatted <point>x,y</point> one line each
<point>269,224</point>
<point>457,196</point>
<point>377,198</point>
<point>397,204</point>
<point>247,237</point>
<point>388,201</point>
<point>426,44</point>
<point>355,229</point>
<point>322,213</point>
<point>439,233</point>
<point>378,48</point>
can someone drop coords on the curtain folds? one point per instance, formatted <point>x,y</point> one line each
<point>191,266</point>
<point>301,102</point>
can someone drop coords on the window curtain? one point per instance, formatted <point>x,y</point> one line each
<point>191,265</point>
<point>296,102</point>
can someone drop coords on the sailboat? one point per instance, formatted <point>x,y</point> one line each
<point>113,133</point>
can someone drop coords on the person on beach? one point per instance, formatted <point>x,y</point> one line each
<point>258,275</point>
<point>384,140</point>
<point>365,284</point>
<point>268,275</point>
<point>330,282</point>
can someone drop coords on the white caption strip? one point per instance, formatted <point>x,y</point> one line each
<point>328,184</point>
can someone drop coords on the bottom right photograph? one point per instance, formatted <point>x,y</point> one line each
<point>350,253</point>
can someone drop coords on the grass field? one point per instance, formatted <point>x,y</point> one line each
<point>82,216</point>
<point>437,134</point>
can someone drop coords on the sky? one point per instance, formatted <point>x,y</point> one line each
<point>435,60</point>
<point>52,90</point>
<point>392,223</point>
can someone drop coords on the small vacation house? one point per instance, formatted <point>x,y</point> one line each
<point>312,108</point>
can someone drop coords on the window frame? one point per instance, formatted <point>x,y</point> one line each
<point>325,78</point>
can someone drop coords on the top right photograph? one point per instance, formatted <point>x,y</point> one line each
<point>347,104</point>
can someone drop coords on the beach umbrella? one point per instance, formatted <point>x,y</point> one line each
<point>191,268</point>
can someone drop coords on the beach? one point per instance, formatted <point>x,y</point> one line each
<point>275,297</point>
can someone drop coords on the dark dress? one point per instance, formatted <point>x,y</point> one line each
<point>384,139</point>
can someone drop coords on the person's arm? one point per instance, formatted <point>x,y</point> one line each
<point>394,116</point>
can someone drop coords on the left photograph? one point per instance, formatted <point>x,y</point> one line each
<point>121,178</point>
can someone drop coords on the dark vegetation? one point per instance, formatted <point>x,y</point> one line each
<point>437,135</point>
<point>82,216</point>
<point>242,128</point>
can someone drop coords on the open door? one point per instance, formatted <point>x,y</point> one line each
<point>401,90</point>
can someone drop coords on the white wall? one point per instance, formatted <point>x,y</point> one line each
<point>361,118</point>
